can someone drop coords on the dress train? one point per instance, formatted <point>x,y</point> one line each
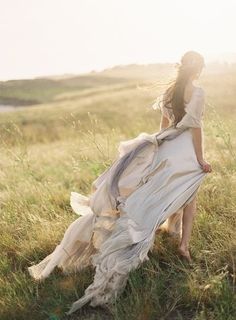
<point>153,178</point>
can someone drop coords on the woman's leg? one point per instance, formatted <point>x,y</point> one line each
<point>189,213</point>
<point>173,225</point>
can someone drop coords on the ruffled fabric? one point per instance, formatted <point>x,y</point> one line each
<point>148,183</point>
<point>141,213</point>
<point>75,250</point>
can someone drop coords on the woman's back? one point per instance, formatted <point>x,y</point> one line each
<point>194,108</point>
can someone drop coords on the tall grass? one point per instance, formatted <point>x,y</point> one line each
<point>62,146</point>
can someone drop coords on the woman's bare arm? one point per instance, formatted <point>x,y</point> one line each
<point>198,143</point>
<point>198,146</point>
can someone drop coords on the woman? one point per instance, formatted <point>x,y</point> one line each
<point>153,181</point>
<point>178,95</point>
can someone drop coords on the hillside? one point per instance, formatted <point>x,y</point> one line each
<point>40,90</point>
<point>62,144</point>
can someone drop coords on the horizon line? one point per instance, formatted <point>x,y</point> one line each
<point>100,70</point>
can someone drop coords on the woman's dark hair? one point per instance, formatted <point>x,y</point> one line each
<point>191,63</point>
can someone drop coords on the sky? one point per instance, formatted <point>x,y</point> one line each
<point>53,37</point>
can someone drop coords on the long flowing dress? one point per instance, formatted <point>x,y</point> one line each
<point>152,179</point>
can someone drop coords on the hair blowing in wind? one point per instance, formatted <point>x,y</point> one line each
<point>191,64</point>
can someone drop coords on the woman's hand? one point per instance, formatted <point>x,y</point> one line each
<point>206,167</point>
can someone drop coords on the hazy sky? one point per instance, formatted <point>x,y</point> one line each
<point>45,37</point>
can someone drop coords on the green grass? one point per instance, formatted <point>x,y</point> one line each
<point>62,145</point>
<point>35,91</point>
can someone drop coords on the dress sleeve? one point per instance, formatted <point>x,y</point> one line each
<point>194,111</point>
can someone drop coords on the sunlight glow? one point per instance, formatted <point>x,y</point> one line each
<point>73,36</point>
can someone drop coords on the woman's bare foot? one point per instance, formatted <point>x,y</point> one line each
<point>185,254</point>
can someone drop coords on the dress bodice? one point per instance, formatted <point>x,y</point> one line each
<point>194,109</point>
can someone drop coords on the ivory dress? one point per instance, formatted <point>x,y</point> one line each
<point>152,179</point>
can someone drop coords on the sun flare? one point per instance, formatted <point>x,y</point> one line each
<point>55,37</point>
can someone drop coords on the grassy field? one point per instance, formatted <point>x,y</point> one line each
<point>61,145</point>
